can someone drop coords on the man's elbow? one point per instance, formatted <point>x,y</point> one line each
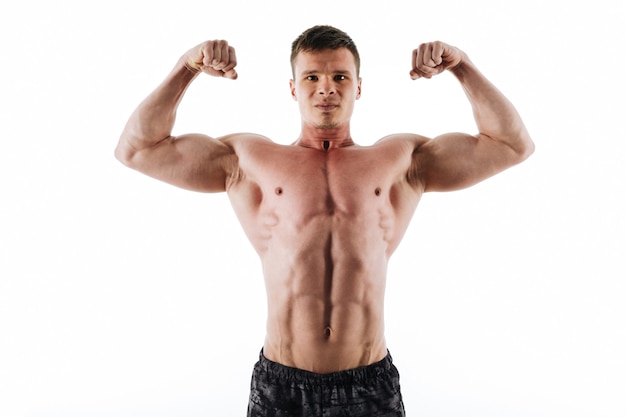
<point>526,147</point>
<point>124,153</point>
<point>520,145</point>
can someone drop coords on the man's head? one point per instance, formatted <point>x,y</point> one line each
<point>322,37</point>
<point>325,77</point>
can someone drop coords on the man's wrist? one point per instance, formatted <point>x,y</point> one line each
<point>461,69</point>
<point>183,62</point>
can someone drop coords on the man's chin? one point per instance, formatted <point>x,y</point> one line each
<point>327,125</point>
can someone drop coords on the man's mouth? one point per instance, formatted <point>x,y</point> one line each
<point>326,106</point>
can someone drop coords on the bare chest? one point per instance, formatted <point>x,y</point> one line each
<point>293,191</point>
<point>333,183</point>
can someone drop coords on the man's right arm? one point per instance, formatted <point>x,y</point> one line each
<point>196,162</point>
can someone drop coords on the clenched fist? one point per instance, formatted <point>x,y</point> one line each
<point>433,58</point>
<point>215,58</point>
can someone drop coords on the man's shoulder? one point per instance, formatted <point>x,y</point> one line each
<point>402,138</point>
<point>244,138</point>
<point>403,143</point>
<point>248,147</point>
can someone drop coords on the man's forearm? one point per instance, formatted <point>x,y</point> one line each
<point>154,118</point>
<point>495,116</point>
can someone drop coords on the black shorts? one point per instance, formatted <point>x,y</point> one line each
<point>282,391</point>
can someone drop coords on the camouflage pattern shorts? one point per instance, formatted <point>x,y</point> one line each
<point>282,391</point>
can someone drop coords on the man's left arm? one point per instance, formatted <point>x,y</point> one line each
<point>456,160</point>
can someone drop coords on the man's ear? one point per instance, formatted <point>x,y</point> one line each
<point>358,90</point>
<point>292,87</point>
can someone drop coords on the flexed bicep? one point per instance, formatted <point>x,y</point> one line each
<point>193,161</point>
<point>458,160</point>
<point>454,161</point>
<point>196,162</point>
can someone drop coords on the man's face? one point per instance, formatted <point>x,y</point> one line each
<point>325,86</point>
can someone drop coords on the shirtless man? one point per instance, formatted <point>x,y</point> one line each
<point>324,214</point>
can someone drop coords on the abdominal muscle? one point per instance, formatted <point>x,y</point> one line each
<point>325,287</point>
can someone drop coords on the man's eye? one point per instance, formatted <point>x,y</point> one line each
<point>340,77</point>
<point>312,78</point>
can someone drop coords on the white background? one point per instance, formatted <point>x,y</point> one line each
<point>123,296</point>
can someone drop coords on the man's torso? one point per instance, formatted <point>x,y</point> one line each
<point>324,224</point>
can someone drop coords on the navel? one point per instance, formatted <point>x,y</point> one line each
<point>327,332</point>
<point>326,145</point>
<point>377,191</point>
<point>278,190</point>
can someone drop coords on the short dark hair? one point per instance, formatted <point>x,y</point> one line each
<point>321,37</point>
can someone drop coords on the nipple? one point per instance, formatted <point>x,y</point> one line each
<point>326,145</point>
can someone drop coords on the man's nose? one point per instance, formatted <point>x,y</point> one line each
<point>326,87</point>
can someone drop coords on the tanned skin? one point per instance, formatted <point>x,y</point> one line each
<point>324,214</point>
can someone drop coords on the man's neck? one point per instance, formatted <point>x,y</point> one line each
<point>325,139</point>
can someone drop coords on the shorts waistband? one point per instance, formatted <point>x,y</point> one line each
<point>349,376</point>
